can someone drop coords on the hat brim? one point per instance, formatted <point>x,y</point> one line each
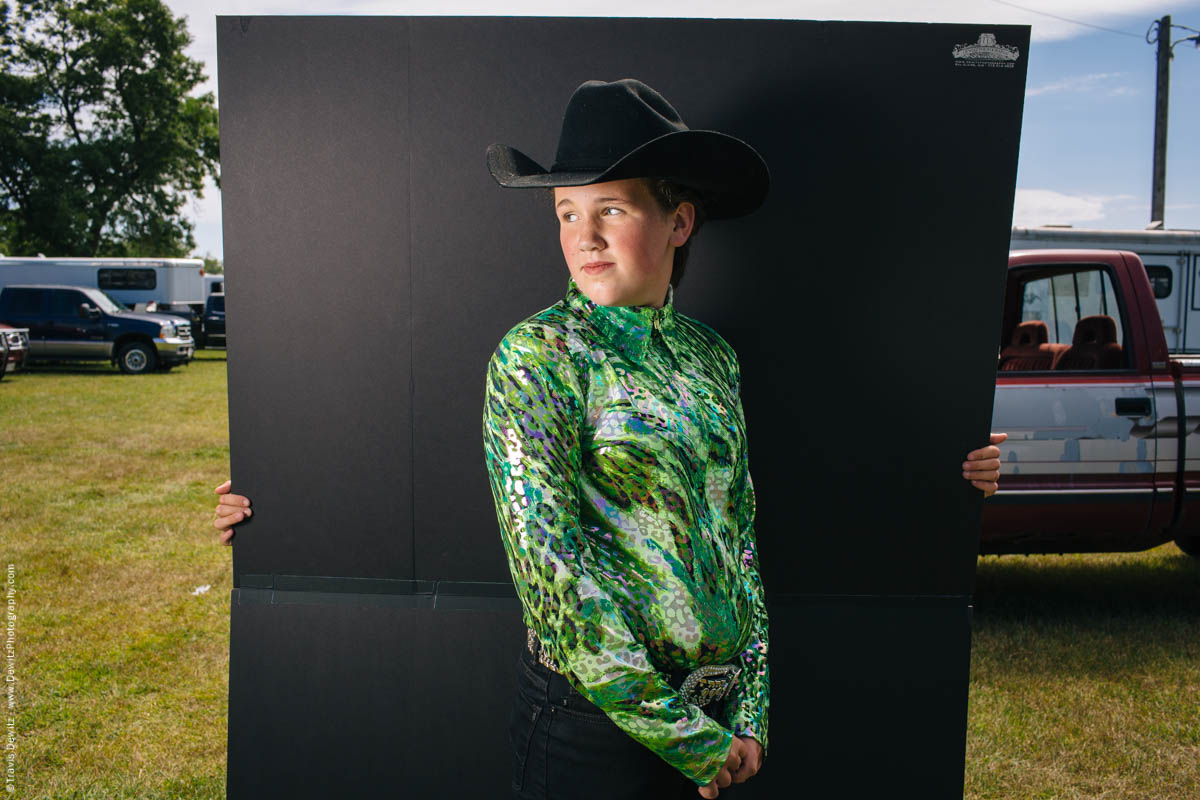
<point>729,174</point>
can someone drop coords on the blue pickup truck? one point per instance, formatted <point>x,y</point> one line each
<point>78,323</point>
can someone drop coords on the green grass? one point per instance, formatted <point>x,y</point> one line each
<point>1085,669</point>
<point>1085,677</point>
<point>122,671</point>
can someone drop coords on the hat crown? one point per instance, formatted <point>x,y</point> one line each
<point>625,129</point>
<point>605,121</point>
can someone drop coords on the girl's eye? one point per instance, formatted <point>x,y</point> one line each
<point>613,209</point>
<point>570,216</point>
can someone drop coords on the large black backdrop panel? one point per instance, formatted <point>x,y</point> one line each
<point>373,265</point>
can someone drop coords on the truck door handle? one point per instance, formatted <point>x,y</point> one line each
<point>1133,406</point>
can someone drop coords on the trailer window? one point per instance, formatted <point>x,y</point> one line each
<point>1160,280</point>
<point>126,278</point>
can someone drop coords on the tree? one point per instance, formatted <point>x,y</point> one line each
<point>101,143</point>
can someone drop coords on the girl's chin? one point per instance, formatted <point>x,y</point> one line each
<point>596,288</point>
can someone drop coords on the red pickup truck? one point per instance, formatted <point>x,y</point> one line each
<point>1101,454</point>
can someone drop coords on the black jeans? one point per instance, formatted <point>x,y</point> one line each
<point>565,748</point>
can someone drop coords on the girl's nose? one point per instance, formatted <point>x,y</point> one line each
<point>589,237</point>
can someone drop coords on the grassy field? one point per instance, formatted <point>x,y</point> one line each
<point>1085,677</point>
<point>123,672</point>
<point>1085,669</point>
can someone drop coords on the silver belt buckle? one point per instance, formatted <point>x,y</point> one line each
<point>709,683</point>
<point>535,647</point>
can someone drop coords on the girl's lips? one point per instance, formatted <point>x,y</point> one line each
<point>596,266</point>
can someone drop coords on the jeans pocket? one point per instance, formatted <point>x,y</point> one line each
<point>579,707</point>
<point>522,725</point>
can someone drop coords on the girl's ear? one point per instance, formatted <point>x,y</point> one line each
<point>683,220</point>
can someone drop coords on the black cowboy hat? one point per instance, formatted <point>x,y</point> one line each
<point>625,129</point>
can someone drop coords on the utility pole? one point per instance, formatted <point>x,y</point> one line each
<point>1159,188</point>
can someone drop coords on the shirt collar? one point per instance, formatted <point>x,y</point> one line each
<point>628,328</point>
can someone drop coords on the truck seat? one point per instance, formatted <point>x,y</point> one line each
<point>1094,345</point>
<point>1030,349</point>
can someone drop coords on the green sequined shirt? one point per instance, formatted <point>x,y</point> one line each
<point>617,455</point>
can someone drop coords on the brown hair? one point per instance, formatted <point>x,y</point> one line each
<point>669,195</point>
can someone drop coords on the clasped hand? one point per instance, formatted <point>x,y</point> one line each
<point>744,759</point>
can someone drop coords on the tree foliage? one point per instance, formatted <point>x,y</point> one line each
<point>101,143</point>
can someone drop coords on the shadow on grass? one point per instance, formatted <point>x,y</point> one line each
<point>100,369</point>
<point>1088,589</point>
<point>81,368</point>
<point>105,368</point>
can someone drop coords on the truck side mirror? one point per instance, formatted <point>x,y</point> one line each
<point>88,312</point>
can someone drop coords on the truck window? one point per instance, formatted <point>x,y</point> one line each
<point>126,278</point>
<point>1062,300</point>
<point>25,302</point>
<point>65,303</point>
<point>1160,280</point>
<point>103,301</point>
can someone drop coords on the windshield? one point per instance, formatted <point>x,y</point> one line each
<point>104,301</point>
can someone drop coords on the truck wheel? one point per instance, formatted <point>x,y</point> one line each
<point>1189,545</point>
<point>137,358</point>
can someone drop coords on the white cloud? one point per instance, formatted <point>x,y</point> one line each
<point>207,207</point>
<point>1048,207</point>
<point>1080,83</point>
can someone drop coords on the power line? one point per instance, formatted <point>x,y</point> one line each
<point>1067,19</point>
<point>1154,26</point>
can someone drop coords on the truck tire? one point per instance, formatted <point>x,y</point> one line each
<point>1189,545</point>
<point>137,358</point>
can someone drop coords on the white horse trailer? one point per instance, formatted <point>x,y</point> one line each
<point>1172,259</point>
<point>136,282</point>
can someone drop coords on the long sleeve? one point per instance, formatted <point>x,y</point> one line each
<point>747,711</point>
<point>533,414</point>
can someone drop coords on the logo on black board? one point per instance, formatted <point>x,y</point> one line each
<point>986,52</point>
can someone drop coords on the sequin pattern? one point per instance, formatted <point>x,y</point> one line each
<point>617,455</point>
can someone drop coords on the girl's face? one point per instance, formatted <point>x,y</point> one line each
<point>618,242</point>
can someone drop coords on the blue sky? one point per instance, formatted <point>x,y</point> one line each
<point>1088,130</point>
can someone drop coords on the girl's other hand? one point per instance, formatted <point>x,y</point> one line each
<point>982,467</point>
<point>232,509</point>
